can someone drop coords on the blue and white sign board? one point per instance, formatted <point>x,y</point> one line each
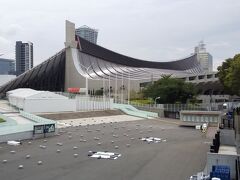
<point>49,128</point>
<point>38,129</point>
<point>42,129</point>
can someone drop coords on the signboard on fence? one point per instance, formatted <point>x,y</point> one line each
<point>43,129</point>
<point>49,128</point>
<point>38,129</point>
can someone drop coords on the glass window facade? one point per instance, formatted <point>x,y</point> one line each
<point>7,66</point>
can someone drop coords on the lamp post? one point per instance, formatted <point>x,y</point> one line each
<point>128,87</point>
<point>122,90</point>
<point>116,88</point>
<point>109,85</point>
<point>87,68</point>
<point>156,101</point>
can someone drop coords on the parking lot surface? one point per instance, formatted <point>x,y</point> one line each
<point>65,156</point>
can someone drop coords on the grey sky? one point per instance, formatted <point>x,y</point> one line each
<point>159,30</point>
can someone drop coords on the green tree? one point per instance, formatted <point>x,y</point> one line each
<point>229,75</point>
<point>170,90</point>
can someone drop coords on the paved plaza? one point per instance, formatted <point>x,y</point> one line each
<point>65,156</point>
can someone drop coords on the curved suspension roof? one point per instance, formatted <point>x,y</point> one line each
<point>113,57</point>
<point>98,69</point>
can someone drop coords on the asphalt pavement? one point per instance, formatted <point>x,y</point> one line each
<point>65,156</point>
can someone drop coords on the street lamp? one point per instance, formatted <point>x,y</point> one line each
<point>116,88</point>
<point>156,100</point>
<point>128,87</point>
<point>87,68</point>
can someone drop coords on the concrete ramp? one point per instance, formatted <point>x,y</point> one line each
<point>130,110</point>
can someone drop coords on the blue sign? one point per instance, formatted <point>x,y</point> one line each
<point>42,129</point>
<point>229,115</point>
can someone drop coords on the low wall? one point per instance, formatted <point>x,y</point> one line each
<point>36,136</point>
<point>237,128</point>
<point>201,116</point>
<point>14,131</point>
<point>23,136</point>
<point>16,136</point>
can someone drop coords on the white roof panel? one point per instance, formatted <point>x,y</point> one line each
<point>26,93</point>
<point>46,95</point>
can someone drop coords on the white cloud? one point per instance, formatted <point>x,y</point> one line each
<point>11,30</point>
<point>152,29</point>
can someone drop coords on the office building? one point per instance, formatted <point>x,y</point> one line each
<point>24,57</point>
<point>204,58</point>
<point>7,66</point>
<point>87,33</point>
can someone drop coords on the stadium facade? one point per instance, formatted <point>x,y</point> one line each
<point>82,63</point>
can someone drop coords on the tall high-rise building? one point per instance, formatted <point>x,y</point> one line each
<point>87,33</point>
<point>204,58</point>
<point>24,57</point>
<point>7,66</point>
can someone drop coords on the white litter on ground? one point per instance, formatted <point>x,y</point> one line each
<point>153,140</point>
<point>103,155</point>
<point>13,143</point>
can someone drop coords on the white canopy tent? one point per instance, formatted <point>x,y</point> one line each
<point>19,90</point>
<point>30,100</point>
<point>17,96</point>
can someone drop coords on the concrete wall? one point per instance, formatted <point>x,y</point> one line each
<point>16,136</point>
<point>24,136</point>
<point>227,137</point>
<point>72,77</point>
<point>36,136</point>
<point>49,105</point>
<point>237,128</point>
<point>221,159</point>
<point>200,116</point>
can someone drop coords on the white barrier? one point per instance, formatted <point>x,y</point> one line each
<point>84,103</point>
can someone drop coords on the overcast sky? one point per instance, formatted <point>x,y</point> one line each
<point>157,30</point>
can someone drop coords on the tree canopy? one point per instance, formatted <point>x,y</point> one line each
<point>229,75</point>
<point>170,90</point>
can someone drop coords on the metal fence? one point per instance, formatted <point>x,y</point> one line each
<point>192,107</point>
<point>165,107</point>
<point>88,103</point>
<point>179,107</point>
